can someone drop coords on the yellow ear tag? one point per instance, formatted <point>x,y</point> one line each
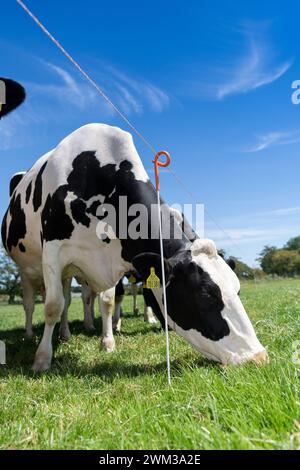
<point>153,281</point>
<point>0,106</point>
<point>132,279</point>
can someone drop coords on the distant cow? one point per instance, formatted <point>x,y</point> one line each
<point>51,229</point>
<point>119,295</point>
<point>89,296</point>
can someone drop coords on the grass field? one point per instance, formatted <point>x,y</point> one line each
<point>91,399</point>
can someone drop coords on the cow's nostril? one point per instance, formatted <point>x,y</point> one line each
<point>260,358</point>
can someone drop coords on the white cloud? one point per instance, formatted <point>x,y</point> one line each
<point>130,95</point>
<point>137,94</point>
<point>8,128</point>
<point>245,235</point>
<point>61,89</point>
<point>15,129</point>
<point>76,93</point>
<point>275,138</point>
<point>254,64</point>
<point>284,211</point>
<point>252,71</point>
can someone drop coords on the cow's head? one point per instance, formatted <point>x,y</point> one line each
<point>203,303</point>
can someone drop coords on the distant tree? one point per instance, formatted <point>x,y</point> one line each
<point>293,244</point>
<point>258,273</point>
<point>222,252</point>
<point>10,282</point>
<point>281,261</point>
<point>76,289</point>
<point>242,270</point>
<point>266,259</point>
<point>285,262</point>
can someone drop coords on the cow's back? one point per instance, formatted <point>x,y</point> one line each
<point>54,201</point>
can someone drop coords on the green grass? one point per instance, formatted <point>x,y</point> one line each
<point>91,399</point>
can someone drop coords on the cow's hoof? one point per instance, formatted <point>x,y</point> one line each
<point>41,364</point>
<point>29,336</point>
<point>136,311</point>
<point>65,335</point>
<point>151,320</point>
<point>108,344</point>
<point>89,328</point>
<point>117,326</point>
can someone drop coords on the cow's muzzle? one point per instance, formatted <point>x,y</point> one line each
<point>260,358</point>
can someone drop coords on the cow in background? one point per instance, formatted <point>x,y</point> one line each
<point>119,296</point>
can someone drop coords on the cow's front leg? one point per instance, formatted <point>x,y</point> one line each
<point>106,304</point>
<point>54,305</point>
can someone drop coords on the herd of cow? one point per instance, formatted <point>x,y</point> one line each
<point>51,227</point>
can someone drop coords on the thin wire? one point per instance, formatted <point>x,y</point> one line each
<point>92,82</point>
<point>194,198</point>
<point>164,289</point>
<point>109,101</point>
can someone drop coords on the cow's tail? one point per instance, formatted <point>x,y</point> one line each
<point>12,94</point>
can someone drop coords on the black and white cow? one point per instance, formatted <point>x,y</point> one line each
<point>51,231</point>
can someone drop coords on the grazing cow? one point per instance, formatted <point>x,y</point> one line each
<point>51,229</point>
<point>12,94</point>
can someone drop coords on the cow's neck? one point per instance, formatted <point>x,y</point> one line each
<point>171,244</point>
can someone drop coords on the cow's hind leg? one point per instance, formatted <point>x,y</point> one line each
<point>54,305</point>
<point>93,298</point>
<point>28,304</point>
<point>88,298</point>
<point>117,321</point>
<point>64,330</point>
<point>106,304</point>
<point>134,290</point>
<point>119,295</point>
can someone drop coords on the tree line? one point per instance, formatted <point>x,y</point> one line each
<point>283,261</point>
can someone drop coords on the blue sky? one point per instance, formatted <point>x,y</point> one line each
<point>210,81</point>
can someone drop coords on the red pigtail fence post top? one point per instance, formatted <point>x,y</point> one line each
<point>162,164</point>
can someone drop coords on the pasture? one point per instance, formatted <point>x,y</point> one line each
<point>94,400</point>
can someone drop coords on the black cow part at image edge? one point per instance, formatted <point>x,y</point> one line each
<point>14,94</point>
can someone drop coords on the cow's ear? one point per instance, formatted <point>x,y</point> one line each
<point>231,263</point>
<point>144,261</point>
